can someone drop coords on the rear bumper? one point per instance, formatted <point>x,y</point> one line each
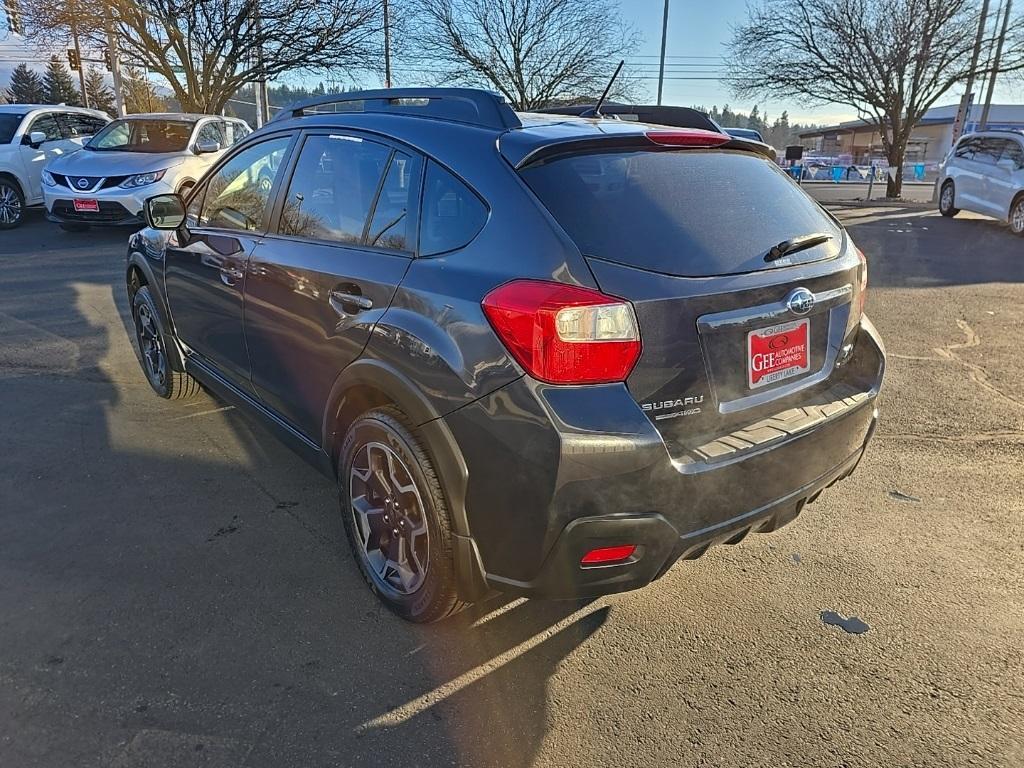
<point>555,472</point>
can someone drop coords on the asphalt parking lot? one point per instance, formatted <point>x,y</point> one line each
<point>175,588</point>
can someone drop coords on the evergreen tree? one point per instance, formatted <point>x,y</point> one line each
<point>139,93</point>
<point>100,95</point>
<point>26,87</point>
<point>60,85</point>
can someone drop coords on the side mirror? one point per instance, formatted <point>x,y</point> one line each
<point>165,212</point>
<point>206,147</point>
<point>35,138</point>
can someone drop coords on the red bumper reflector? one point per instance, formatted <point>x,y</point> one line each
<point>607,555</point>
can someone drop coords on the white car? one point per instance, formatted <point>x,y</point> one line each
<point>132,159</point>
<point>31,135</point>
<point>984,173</point>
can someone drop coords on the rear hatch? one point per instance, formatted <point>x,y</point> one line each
<point>728,337</point>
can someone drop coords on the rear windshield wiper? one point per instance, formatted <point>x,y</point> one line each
<point>795,244</point>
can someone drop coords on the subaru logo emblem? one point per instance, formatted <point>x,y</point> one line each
<point>800,301</point>
<point>83,183</point>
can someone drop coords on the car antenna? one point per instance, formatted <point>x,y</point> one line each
<point>597,107</point>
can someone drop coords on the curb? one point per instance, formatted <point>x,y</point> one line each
<point>878,204</point>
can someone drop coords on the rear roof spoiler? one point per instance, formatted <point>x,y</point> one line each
<point>520,157</point>
<point>470,106</point>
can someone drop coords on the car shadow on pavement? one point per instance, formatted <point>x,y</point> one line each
<point>176,588</point>
<point>923,249</point>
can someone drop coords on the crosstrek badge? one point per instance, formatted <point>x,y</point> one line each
<point>777,353</point>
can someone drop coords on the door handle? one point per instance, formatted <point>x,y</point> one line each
<point>228,275</point>
<point>343,302</point>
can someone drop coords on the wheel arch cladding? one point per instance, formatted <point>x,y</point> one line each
<point>368,384</point>
<point>139,273</point>
<point>10,176</point>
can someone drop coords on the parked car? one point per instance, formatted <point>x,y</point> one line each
<point>984,173</point>
<point>30,136</point>
<point>543,355</point>
<point>133,158</point>
<point>745,133</point>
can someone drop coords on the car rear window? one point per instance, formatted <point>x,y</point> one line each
<point>691,213</point>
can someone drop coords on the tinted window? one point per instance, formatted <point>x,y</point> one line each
<point>235,132</point>
<point>966,148</point>
<point>333,187</point>
<point>48,125</point>
<point>391,224</point>
<point>452,214</point>
<point>1014,152</point>
<point>686,212</point>
<point>9,126</point>
<point>236,194</point>
<point>137,135</point>
<point>75,124</point>
<point>989,150</point>
<point>212,131</point>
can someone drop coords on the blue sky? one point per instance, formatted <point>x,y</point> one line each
<point>701,28</point>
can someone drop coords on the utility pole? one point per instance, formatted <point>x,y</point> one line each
<point>262,107</point>
<point>995,67</point>
<point>664,39</point>
<point>78,54</point>
<point>964,114</point>
<point>115,62</point>
<point>387,46</point>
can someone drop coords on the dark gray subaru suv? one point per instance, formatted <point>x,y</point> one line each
<point>542,355</point>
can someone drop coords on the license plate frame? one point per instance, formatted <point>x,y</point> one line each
<point>86,205</point>
<point>778,353</point>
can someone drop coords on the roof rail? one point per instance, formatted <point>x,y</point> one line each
<point>460,105</point>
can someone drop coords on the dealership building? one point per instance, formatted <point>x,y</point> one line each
<point>929,141</point>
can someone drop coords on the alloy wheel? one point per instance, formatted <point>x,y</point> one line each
<point>151,345</point>
<point>10,205</point>
<point>947,197</point>
<point>389,518</point>
<point>1017,218</point>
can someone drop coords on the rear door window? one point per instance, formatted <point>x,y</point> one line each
<point>1013,152</point>
<point>452,214</point>
<point>391,225</point>
<point>333,187</point>
<point>989,150</point>
<point>688,212</point>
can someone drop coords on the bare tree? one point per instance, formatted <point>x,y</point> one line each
<point>534,52</point>
<point>208,49</point>
<point>891,60</point>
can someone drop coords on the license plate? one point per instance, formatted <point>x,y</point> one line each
<point>86,206</point>
<point>777,353</point>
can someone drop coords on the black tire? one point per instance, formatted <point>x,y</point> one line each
<point>73,226</point>
<point>152,342</point>
<point>1016,217</point>
<point>435,597</point>
<point>12,204</point>
<point>947,196</point>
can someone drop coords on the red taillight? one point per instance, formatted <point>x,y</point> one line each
<point>688,137</point>
<point>608,555</point>
<point>564,334</point>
